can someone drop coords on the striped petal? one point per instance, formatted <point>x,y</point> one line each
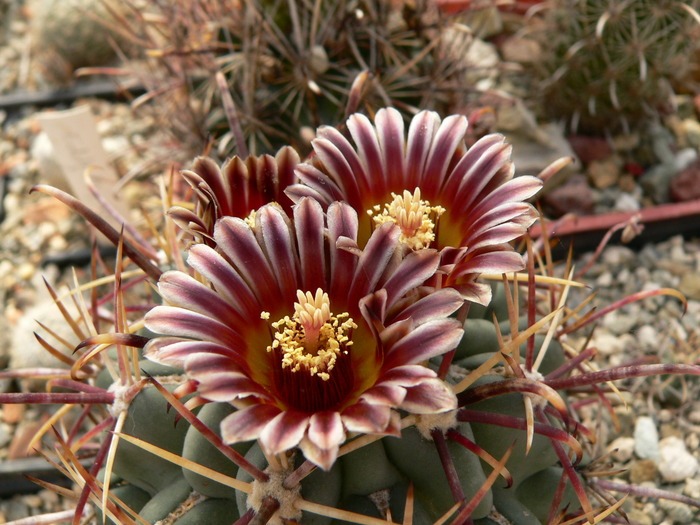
<point>366,418</point>
<point>391,141</point>
<point>279,247</point>
<point>429,397</point>
<point>247,423</point>
<point>310,234</point>
<point>426,341</point>
<point>284,431</point>
<point>238,243</point>
<point>420,137</point>
<point>368,150</point>
<point>171,320</point>
<point>416,268</point>
<point>326,430</point>
<point>323,457</point>
<point>227,282</point>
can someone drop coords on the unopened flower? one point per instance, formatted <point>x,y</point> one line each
<point>235,189</point>
<point>462,201</point>
<point>307,335</point>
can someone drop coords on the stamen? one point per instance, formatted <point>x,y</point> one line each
<point>313,338</point>
<point>414,216</point>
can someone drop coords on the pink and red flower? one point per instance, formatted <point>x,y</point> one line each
<point>307,335</point>
<point>464,202</point>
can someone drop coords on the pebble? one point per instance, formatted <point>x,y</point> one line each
<point>604,173</point>
<point>675,462</point>
<point>646,438</point>
<point>627,202</point>
<point>676,511</point>
<point>640,517</point>
<point>622,449</point>
<point>648,337</point>
<point>643,470</point>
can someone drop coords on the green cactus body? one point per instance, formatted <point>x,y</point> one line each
<point>150,420</point>
<point>537,491</point>
<point>417,459</point>
<point>132,496</point>
<point>198,449</point>
<point>496,440</point>
<point>166,500</point>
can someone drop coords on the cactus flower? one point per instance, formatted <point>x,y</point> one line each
<point>307,335</point>
<point>464,202</point>
<point>235,189</point>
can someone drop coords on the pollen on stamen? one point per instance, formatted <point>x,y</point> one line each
<point>414,216</point>
<point>313,338</point>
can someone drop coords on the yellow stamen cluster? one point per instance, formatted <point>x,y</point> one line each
<point>414,216</point>
<point>313,338</point>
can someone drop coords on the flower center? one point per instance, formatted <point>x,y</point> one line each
<point>313,338</point>
<point>414,216</point>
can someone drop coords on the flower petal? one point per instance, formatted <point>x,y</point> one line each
<point>435,305</point>
<point>326,430</point>
<point>309,226</point>
<point>389,395</point>
<point>277,242</point>
<point>326,189</point>
<point>220,379</point>
<point>240,246</point>
<point>322,457</point>
<point>430,397</point>
<point>347,150</point>
<point>420,136</point>
<point>413,271</point>
<point>182,290</point>
<point>339,166</point>
<point>390,133</point>
<point>426,341</point>
<point>369,152</point>
<point>374,259</point>
<point>227,282</point>
<point>173,351</point>
<point>366,418</point>
<point>170,320</point>
<point>448,138</point>
<point>247,423</point>
<point>342,222</point>
<point>284,431</point>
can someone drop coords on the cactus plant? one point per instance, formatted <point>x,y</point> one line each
<point>249,393</point>
<point>611,64</point>
<point>283,68</point>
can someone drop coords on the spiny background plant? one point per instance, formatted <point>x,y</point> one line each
<point>517,383</point>
<point>614,64</point>
<point>283,68</point>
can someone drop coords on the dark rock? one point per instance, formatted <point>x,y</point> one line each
<point>589,149</point>
<point>685,186</point>
<point>574,196</point>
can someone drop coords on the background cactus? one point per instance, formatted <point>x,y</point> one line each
<point>75,33</point>
<point>284,68</point>
<point>614,65</point>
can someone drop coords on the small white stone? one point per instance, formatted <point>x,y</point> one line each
<point>604,280</point>
<point>622,449</point>
<point>606,343</point>
<point>675,462</point>
<point>626,202</point>
<point>648,337</point>
<point>646,439</point>
<point>692,488</point>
